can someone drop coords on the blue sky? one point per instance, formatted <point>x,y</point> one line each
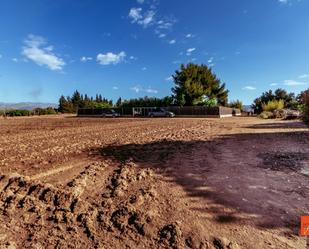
<point>130,48</point>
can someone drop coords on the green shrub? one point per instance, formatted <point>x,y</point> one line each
<point>236,104</point>
<point>273,105</point>
<point>18,113</point>
<point>280,113</point>
<point>266,115</point>
<point>44,111</point>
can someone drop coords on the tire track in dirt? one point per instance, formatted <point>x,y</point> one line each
<point>57,170</point>
<point>128,209</point>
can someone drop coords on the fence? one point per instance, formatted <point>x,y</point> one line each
<point>186,111</point>
<point>228,112</point>
<point>125,111</point>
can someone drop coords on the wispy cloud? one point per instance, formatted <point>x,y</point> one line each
<point>133,58</point>
<point>251,88</point>
<point>135,14</point>
<point>111,58</point>
<point>190,50</point>
<point>273,84</point>
<point>139,89</point>
<point>145,19</point>
<point>115,87</point>
<point>189,35</point>
<point>165,24</point>
<point>172,41</point>
<point>303,76</point>
<point>15,59</point>
<point>294,83</point>
<point>37,50</point>
<point>150,90</point>
<point>287,2</point>
<point>210,61</point>
<point>85,58</point>
<point>149,16</point>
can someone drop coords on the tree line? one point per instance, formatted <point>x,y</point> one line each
<point>36,111</point>
<point>71,104</point>
<point>194,85</point>
<point>290,100</point>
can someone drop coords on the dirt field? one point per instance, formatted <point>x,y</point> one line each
<point>231,183</point>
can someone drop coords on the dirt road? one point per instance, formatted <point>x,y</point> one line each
<point>152,183</point>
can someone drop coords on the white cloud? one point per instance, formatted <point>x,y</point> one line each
<point>148,18</point>
<point>303,76</point>
<point>293,83</point>
<point>150,90</point>
<point>115,87</point>
<point>133,58</point>
<point>190,50</point>
<point>136,89</point>
<point>142,19</point>
<point>189,35</point>
<point>288,2</point>
<point>273,84</point>
<point>172,41</point>
<point>165,25</point>
<point>210,60</point>
<point>15,59</point>
<point>85,58</point>
<point>139,89</point>
<point>43,56</point>
<point>249,88</point>
<point>135,14</point>
<point>170,78</point>
<point>144,68</point>
<point>111,58</point>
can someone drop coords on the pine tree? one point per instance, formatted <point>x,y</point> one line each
<point>194,83</point>
<point>65,105</point>
<point>76,100</point>
<point>119,102</point>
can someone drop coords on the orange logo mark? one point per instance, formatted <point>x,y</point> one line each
<point>304,226</point>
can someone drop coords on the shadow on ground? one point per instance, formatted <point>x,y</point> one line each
<point>249,174</point>
<point>279,125</point>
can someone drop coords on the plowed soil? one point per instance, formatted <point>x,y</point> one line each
<point>68,182</point>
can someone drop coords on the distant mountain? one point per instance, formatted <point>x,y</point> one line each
<point>26,105</point>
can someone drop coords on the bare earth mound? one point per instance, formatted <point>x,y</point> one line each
<point>152,183</point>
